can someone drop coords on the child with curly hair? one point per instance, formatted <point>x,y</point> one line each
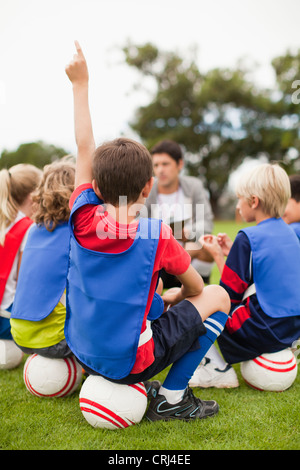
<point>39,311</point>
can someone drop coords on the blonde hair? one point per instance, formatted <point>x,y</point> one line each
<point>270,183</point>
<point>53,193</point>
<point>15,185</point>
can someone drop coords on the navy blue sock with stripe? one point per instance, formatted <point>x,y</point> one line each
<point>183,369</point>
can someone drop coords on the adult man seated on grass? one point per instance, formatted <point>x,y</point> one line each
<point>182,202</point>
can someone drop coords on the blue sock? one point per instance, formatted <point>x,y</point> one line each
<point>183,369</point>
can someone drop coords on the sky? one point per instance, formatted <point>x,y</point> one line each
<point>37,41</point>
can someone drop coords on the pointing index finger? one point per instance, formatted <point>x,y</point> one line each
<point>78,49</point>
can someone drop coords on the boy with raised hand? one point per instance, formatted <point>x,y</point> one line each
<point>292,211</point>
<point>115,259</point>
<point>265,304</point>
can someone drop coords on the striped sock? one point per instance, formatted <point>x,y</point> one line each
<point>183,369</point>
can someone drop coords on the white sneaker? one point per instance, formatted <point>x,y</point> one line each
<point>207,375</point>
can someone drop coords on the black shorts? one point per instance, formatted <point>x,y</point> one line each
<point>57,351</point>
<point>175,333</point>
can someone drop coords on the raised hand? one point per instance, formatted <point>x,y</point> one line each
<point>77,69</point>
<point>77,72</point>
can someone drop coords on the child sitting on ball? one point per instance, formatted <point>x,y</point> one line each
<point>39,310</point>
<point>115,259</point>
<point>261,275</point>
<point>16,187</point>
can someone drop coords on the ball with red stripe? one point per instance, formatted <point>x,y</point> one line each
<point>273,372</point>
<point>45,377</point>
<point>105,404</point>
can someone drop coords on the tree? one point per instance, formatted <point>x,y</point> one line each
<point>36,153</point>
<point>220,117</point>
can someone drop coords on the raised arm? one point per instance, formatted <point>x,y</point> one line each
<point>77,72</point>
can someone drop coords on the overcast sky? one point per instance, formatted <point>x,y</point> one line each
<point>36,42</point>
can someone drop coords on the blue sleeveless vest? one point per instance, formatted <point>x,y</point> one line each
<point>296,227</point>
<point>107,294</point>
<point>43,273</point>
<point>276,267</point>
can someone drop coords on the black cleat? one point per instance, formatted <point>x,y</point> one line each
<point>152,387</point>
<point>189,408</point>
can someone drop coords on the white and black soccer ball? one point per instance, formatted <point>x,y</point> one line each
<point>10,355</point>
<point>274,372</point>
<point>45,377</point>
<point>110,405</point>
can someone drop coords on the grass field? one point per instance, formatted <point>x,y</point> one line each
<point>248,419</point>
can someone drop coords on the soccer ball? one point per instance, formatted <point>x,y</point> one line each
<point>274,372</point>
<point>10,355</point>
<point>105,404</point>
<point>45,377</point>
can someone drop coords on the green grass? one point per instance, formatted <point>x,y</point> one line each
<point>248,419</point>
<point>231,228</point>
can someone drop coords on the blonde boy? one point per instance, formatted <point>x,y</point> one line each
<point>261,274</point>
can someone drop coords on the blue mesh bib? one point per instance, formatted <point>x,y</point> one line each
<point>276,267</point>
<point>43,273</point>
<point>107,294</point>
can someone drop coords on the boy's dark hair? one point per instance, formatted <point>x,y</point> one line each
<point>170,147</point>
<point>295,187</point>
<point>121,167</point>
